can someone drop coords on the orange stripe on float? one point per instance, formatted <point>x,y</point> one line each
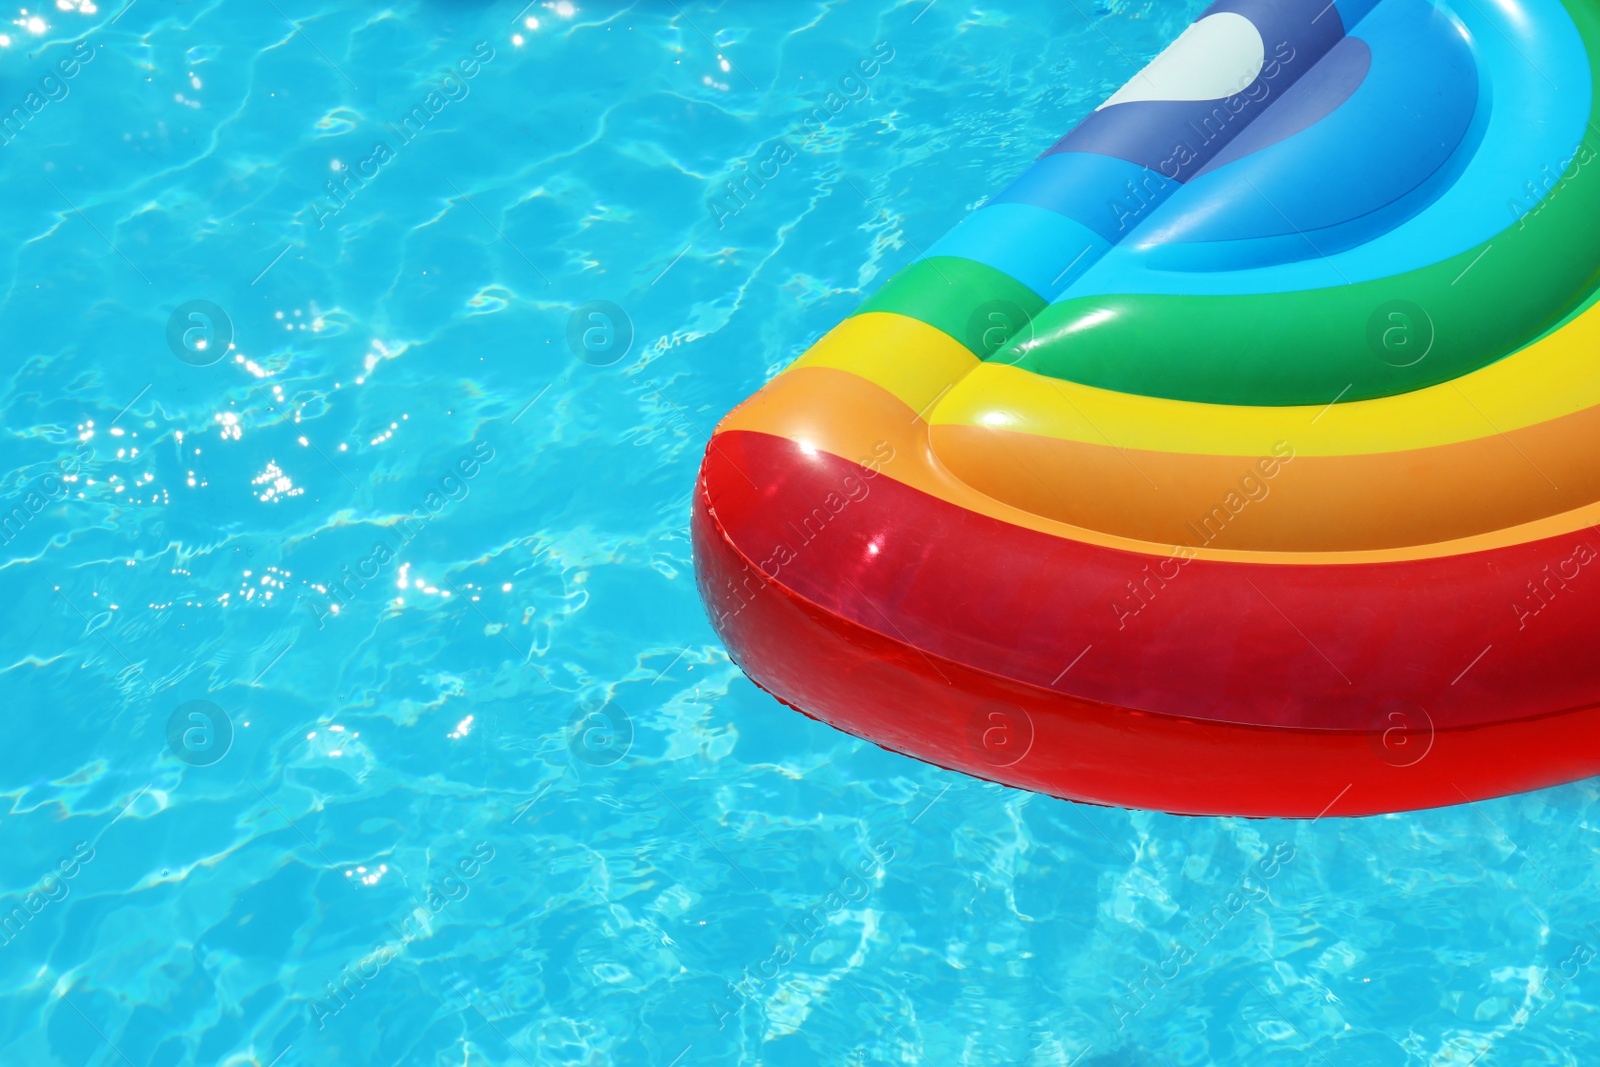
<point>848,416</point>
<point>1285,502</point>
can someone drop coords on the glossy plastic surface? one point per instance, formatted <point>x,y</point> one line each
<point>1217,544</point>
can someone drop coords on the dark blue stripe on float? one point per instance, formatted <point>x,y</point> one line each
<point>1178,138</point>
<point>1310,100</point>
<point>1310,27</point>
<point>1378,158</point>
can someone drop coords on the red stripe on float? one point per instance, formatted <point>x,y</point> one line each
<point>1322,647</point>
<point>882,689</point>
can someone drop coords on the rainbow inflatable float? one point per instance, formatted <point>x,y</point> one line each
<point>1241,457</point>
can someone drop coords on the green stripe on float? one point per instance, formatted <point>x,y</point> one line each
<point>978,306</point>
<point>1310,347</point>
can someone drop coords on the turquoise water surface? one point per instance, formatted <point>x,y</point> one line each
<point>359,706</point>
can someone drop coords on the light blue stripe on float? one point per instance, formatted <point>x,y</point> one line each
<point>1108,195</point>
<point>1039,248</point>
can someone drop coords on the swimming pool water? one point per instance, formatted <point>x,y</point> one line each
<point>472,780</point>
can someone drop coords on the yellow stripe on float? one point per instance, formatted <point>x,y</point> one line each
<point>918,364</point>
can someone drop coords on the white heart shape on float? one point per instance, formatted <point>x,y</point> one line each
<point>1215,58</point>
